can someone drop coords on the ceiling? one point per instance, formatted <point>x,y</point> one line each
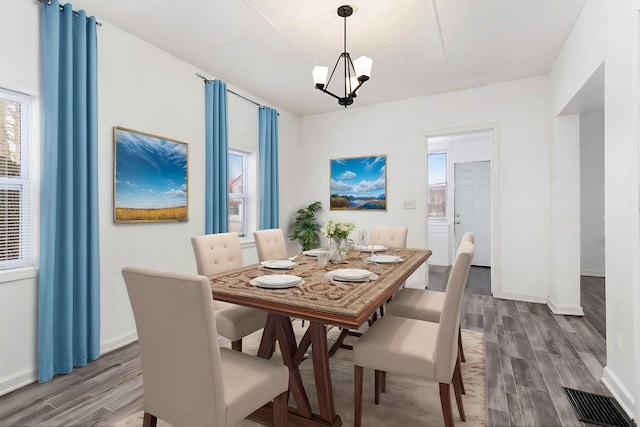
<point>419,47</point>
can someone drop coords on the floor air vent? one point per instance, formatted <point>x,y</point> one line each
<point>597,409</point>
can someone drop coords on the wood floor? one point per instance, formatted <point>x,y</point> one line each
<point>530,355</point>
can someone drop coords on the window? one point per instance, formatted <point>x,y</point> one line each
<point>437,186</point>
<point>238,161</point>
<point>15,197</point>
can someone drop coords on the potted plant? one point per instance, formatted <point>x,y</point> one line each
<point>306,228</point>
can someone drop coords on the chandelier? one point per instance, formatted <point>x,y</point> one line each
<point>355,72</point>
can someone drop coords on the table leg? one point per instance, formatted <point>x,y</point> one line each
<point>287,339</point>
<point>268,339</point>
<point>320,355</point>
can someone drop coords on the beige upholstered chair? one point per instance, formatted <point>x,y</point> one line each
<point>416,347</point>
<point>423,304</point>
<point>188,379</point>
<point>468,237</point>
<point>217,253</point>
<point>270,244</point>
<point>391,237</point>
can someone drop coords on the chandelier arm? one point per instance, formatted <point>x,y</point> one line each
<point>333,71</point>
<point>327,92</point>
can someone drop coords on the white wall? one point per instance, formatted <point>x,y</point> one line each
<point>592,194</point>
<point>143,88</point>
<point>608,31</point>
<point>519,109</point>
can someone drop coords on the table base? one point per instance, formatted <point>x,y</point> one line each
<point>264,415</point>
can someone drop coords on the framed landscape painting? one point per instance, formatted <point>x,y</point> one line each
<point>359,183</point>
<point>150,177</point>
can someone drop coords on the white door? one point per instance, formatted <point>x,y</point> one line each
<point>472,207</point>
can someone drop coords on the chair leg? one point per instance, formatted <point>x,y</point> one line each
<point>280,409</point>
<point>460,345</point>
<point>237,345</point>
<point>357,382</point>
<point>149,420</point>
<point>457,378</point>
<point>445,402</point>
<point>377,377</point>
<point>459,369</point>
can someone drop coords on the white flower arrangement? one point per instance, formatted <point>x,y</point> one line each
<point>337,230</point>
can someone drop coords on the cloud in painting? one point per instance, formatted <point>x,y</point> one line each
<point>151,172</point>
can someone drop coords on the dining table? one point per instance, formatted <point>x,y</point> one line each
<point>324,302</point>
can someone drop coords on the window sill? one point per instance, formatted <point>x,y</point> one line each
<point>13,274</point>
<point>438,222</point>
<point>247,242</point>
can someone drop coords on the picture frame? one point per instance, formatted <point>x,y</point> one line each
<point>358,183</point>
<point>150,177</point>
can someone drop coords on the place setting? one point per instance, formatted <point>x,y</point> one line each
<point>277,281</point>
<point>384,259</point>
<point>278,264</point>
<point>350,275</point>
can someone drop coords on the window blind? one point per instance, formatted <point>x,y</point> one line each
<point>15,194</point>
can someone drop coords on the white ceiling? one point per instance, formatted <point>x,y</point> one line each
<point>418,47</point>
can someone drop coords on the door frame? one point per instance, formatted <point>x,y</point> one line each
<point>494,131</point>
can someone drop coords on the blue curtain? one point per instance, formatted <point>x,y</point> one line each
<point>217,158</point>
<point>268,149</point>
<point>69,273</point>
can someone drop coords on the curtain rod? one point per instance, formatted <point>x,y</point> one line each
<point>76,14</point>
<point>229,90</point>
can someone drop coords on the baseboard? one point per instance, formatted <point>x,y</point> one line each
<point>121,341</point>
<point>565,310</point>
<point>620,392</point>
<point>16,381</point>
<point>592,273</point>
<point>520,297</point>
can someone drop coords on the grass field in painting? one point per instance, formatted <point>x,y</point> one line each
<point>151,215</point>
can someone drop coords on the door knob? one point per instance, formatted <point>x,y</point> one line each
<point>457,222</point>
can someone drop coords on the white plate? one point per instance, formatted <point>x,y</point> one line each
<point>351,274</point>
<point>384,259</point>
<point>277,281</point>
<point>368,248</point>
<point>314,252</point>
<point>279,264</point>
<point>331,277</point>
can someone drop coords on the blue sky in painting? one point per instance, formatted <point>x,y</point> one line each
<point>361,176</point>
<point>150,172</point>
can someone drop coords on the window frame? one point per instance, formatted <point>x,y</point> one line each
<point>244,196</point>
<point>25,184</point>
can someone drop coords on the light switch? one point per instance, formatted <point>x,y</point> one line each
<point>409,204</point>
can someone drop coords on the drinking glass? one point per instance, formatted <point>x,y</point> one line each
<point>362,240</point>
<point>323,259</point>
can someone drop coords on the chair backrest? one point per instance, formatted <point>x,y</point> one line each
<point>270,244</point>
<point>217,253</point>
<point>468,237</point>
<point>181,364</point>
<point>447,339</point>
<point>392,237</point>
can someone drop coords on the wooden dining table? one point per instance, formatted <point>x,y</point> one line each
<point>322,302</point>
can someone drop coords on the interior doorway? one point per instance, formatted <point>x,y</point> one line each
<point>459,195</point>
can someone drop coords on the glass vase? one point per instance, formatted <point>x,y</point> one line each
<point>337,250</point>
